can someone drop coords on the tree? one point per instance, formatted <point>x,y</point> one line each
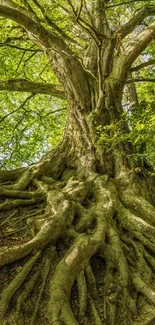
<point>78,227</point>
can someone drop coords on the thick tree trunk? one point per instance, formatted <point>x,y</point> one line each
<point>77,232</point>
<point>78,228</point>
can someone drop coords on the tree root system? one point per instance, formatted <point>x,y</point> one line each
<point>76,251</point>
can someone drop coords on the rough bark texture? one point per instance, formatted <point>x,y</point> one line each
<point>78,228</point>
<point>78,248</point>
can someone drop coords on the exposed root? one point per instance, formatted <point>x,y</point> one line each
<point>151,321</point>
<point>7,293</point>
<point>9,218</point>
<point>137,227</point>
<point>17,193</point>
<point>140,206</point>
<point>82,291</point>
<point>67,315</point>
<point>96,315</point>
<point>7,205</point>
<point>142,287</point>
<point>11,175</point>
<point>44,274</point>
<point>28,288</point>
<point>48,233</point>
<point>83,219</point>
<point>23,181</point>
<point>91,282</point>
<point>150,259</point>
<point>67,270</point>
<point>117,281</point>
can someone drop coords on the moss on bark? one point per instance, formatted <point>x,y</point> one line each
<point>47,267</point>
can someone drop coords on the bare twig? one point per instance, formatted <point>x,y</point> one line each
<point>124,3</point>
<point>17,109</point>
<point>19,48</point>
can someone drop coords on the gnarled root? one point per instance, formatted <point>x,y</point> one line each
<point>70,224</point>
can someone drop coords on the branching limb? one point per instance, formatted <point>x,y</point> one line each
<point>13,5</point>
<point>141,42</point>
<point>24,18</point>
<point>101,21</point>
<point>59,53</point>
<point>51,23</point>
<point>19,47</point>
<point>84,24</point>
<point>143,65</point>
<point>124,3</point>
<point>141,80</point>
<point>24,85</point>
<point>16,110</point>
<point>124,62</point>
<point>137,19</point>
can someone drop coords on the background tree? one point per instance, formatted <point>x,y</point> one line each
<point>77,227</point>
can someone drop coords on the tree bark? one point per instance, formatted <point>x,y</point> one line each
<point>78,228</point>
<point>78,235</point>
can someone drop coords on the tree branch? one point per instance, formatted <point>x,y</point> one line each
<point>51,23</point>
<point>99,11</point>
<point>19,48</point>
<point>141,80</point>
<point>132,93</point>
<point>124,3</point>
<point>24,18</point>
<point>143,65</point>
<point>139,45</point>
<point>59,53</point>
<point>32,87</point>
<point>101,21</point>
<point>90,28</point>
<point>13,5</point>
<point>124,62</point>
<point>136,20</point>
<point>18,108</point>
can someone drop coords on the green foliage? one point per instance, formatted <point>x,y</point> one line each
<point>141,124</point>
<point>29,127</point>
<point>142,132</point>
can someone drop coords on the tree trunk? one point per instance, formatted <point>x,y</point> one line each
<point>78,231</point>
<point>78,228</point>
